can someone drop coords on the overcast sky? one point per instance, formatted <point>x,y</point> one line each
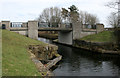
<point>24,10</point>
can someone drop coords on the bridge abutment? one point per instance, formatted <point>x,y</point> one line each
<point>65,37</point>
<point>33,29</point>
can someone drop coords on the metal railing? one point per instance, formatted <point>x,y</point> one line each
<point>46,25</point>
<point>18,24</point>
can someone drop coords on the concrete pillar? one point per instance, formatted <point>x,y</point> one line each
<point>65,37</point>
<point>33,29</point>
<point>6,23</point>
<point>77,29</point>
<point>99,27</point>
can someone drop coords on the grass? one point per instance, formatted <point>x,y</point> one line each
<point>0,53</point>
<point>105,36</point>
<point>15,57</point>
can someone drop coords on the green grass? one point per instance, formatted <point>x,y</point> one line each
<point>105,36</point>
<point>15,57</point>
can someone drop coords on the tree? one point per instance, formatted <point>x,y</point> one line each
<point>115,5</point>
<point>87,18</point>
<point>52,16</point>
<point>113,19</point>
<point>71,14</point>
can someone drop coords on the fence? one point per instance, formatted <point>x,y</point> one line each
<point>18,24</point>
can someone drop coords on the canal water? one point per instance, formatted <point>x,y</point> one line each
<point>78,62</point>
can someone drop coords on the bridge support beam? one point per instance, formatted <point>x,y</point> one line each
<point>33,29</point>
<point>65,37</point>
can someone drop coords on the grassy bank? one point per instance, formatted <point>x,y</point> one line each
<point>15,57</point>
<point>105,36</point>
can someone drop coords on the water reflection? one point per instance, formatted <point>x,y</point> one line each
<point>78,62</point>
<point>45,40</point>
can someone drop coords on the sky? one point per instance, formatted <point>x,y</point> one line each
<point>24,10</point>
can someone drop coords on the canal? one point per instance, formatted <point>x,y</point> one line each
<point>78,62</point>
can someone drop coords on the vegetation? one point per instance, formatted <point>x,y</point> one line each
<point>105,36</point>
<point>113,20</point>
<point>15,57</point>
<point>51,15</point>
<point>54,16</point>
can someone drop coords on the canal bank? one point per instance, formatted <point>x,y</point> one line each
<point>103,42</point>
<point>96,47</point>
<point>79,62</point>
<point>19,55</point>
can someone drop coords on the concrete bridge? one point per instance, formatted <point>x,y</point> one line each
<point>66,35</point>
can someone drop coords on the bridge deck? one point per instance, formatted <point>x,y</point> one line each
<point>54,29</point>
<point>41,29</point>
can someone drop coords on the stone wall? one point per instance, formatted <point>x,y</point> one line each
<point>44,57</point>
<point>44,52</point>
<point>100,47</point>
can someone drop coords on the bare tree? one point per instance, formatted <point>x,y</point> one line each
<point>115,4</point>
<point>113,19</point>
<point>87,18</point>
<point>52,16</point>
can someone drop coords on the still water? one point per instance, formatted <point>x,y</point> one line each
<point>78,62</point>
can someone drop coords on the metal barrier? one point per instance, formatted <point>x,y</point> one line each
<point>18,24</point>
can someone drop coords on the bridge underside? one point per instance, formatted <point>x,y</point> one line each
<point>65,37</point>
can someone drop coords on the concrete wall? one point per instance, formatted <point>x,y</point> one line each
<point>7,24</point>
<point>33,29</point>
<point>65,37</point>
<point>86,33</point>
<point>22,32</point>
